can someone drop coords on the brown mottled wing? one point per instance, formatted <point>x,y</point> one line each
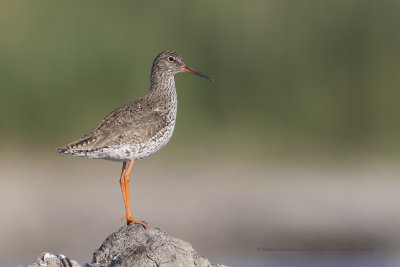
<point>132,131</point>
<point>134,122</point>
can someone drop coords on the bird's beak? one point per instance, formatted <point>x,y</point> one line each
<point>191,70</point>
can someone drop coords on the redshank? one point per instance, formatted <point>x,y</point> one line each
<point>139,128</point>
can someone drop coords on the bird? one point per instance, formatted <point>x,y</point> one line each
<point>139,128</point>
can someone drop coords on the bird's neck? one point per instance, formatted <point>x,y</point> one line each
<point>162,90</point>
<point>162,83</point>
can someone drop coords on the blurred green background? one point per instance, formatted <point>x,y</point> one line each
<point>294,80</point>
<point>290,75</point>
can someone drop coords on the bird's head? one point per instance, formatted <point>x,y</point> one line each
<point>172,63</point>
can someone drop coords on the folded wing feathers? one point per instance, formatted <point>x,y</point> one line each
<point>86,143</point>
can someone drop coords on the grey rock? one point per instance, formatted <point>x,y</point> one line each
<point>136,245</point>
<point>50,260</point>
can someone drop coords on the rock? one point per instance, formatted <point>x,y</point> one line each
<point>51,260</point>
<point>136,245</point>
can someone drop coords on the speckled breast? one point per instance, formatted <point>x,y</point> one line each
<point>156,142</point>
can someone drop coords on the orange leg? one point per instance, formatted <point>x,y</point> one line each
<point>125,187</point>
<point>122,182</point>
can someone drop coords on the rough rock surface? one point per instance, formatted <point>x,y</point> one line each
<point>135,245</point>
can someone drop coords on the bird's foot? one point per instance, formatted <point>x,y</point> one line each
<point>130,220</point>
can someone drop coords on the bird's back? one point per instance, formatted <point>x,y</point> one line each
<point>138,129</point>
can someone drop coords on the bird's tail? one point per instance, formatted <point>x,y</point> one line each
<point>62,149</point>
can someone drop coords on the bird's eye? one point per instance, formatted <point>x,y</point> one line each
<point>171,59</point>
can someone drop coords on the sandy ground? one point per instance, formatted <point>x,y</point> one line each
<point>226,210</point>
